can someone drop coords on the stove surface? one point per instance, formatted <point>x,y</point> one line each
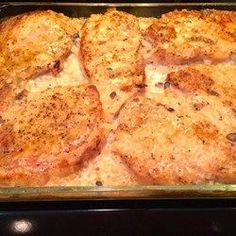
<point>137,217</point>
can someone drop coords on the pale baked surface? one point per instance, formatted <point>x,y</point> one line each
<point>111,57</point>
<point>182,135</point>
<point>182,37</point>
<point>32,44</point>
<point>53,132</point>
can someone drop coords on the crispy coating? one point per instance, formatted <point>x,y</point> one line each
<point>181,37</point>
<point>32,44</point>
<point>110,53</point>
<point>186,134</point>
<point>53,132</point>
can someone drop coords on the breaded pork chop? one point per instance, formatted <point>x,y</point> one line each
<point>32,44</point>
<point>49,134</point>
<point>110,53</point>
<point>181,37</point>
<point>185,135</point>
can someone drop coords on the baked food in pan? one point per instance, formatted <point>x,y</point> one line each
<point>53,131</point>
<point>118,100</point>
<point>182,37</point>
<point>33,44</point>
<point>183,134</point>
<point>111,56</point>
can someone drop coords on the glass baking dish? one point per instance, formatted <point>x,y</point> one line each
<point>118,192</point>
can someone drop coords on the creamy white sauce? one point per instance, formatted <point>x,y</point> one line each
<point>71,75</point>
<point>155,76</point>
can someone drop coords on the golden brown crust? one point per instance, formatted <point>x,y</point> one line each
<point>182,136</point>
<point>40,39</point>
<point>190,80</point>
<point>185,134</point>
<point>181,37</point>
<point>110,53</point>
<point>32,44</point>
<point>53,132</point>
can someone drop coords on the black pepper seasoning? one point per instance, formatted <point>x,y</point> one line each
<point>166,85</point>
<point>99,183</point>
<point>231,137</point>
<point>170,109</point>
<point>113,95</point>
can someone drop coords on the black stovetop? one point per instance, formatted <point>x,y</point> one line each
<point>130,217</point>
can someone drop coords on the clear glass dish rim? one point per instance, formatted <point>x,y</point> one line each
<point>118,192</point>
